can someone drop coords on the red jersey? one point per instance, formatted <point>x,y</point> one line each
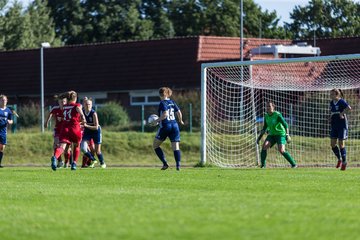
<point>58,114</point>
<point>71,116</point>
<point>71,132</point>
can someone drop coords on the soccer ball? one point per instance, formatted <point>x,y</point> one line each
<point>151,120</point>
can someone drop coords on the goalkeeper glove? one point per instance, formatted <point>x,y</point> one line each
<point>288,138</point>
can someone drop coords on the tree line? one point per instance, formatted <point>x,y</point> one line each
<point>88,21</point>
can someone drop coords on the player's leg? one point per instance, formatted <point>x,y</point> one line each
<point>100,155</point>
<point>175,144</point>
<point>287,156</point>
<point>333,140</point>
<point>343,154</point>
<point>56,144</point>
<point>58,151</point>
<point>85,149</point>
<point>159,152</point>
<point>76,154</point>
<point>75,137</point>
<point>336,151</point>
<point>160,137</point>
<point>177,153</point>
<point>2,148</point>
<point>67,155</point>
<point>268,143</point>
<point>97,139</point>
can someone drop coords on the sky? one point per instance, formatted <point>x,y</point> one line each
<point>282,7</point>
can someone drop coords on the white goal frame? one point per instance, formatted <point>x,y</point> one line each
<point>248,83</point>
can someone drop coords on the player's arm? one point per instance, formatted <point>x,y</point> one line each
<point>179,116</point>
<point>48,120</point>
<point>10,118</point>
<point>262,132</point>
<point>96,123</point>
<point>286,126</point>
<point>346,111</point>
<point>164,112</point>
<point>164,115</point>
<point>82,116</point>
<point>284,123</point>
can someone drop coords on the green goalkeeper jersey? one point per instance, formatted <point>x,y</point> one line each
<point>275,124</point>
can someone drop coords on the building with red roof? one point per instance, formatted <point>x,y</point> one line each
<point>132,71</point>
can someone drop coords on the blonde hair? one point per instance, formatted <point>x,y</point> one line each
<point>72,96</point>
<point>3,96</point>
<point>165,91</point>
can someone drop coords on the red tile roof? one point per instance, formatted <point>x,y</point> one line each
<point>228,48</point>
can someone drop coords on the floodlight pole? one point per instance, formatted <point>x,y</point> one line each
<point>43,45</point>
<point>241,30</point>
<point>241,58</point>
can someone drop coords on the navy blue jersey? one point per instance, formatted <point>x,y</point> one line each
<point>89,117</point>
<point>91,134</point>
<point>336,108</point>
<point>171,107</point>
<point>5,115</point>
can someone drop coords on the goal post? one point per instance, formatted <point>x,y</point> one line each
<point>233,97</point>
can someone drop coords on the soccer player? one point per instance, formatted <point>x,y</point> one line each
<point>168,127</point>
<point>92,131</point>
<point>339,126</point>
<point>57,113</point>
<point>278,132</point>
<point>71,132</point>
<point>5,119</point>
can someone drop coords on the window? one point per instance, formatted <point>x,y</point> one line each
<point>138,98</point>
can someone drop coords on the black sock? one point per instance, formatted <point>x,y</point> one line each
<point>336,151</point>
<point>159,152</point>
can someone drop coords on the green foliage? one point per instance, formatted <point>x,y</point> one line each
<point>328,18</point>
<point>69,21</point>
<point>26,29</point>
<point>113,114</point>
<point>29,115</point>
<point>183,100</point>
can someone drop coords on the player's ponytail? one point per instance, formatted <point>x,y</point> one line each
<point>338,92</point>
<point>341,93</point>
<point>72,96</point>
<point>165,92</point>
<point>169,92</point>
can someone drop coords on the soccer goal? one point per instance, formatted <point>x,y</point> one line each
<point>233,107</point>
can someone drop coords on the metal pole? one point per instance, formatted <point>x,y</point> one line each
<point>142,119</point>
<point>241,31</point>
<point>190,117</point>
<point>42,88</point>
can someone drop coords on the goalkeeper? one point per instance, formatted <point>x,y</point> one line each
<point>278,132</point>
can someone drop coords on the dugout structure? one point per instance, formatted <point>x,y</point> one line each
<point>233,107</point>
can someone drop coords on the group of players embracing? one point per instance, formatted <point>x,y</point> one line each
<point>76,129</point>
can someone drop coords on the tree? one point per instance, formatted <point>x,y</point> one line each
<point>40,25</point>
<point>222,18</point>
<point>157,12</point>
<point>326,18</point>
<point>69,21</point>
<point>116,20</point>
<point>26,29</point>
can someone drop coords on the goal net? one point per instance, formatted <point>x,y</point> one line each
<point>234,95</point>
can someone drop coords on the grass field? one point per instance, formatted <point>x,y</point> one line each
<point>195,203</point>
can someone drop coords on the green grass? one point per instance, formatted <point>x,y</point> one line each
<point>119,148</point>
<point>196,203</point>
